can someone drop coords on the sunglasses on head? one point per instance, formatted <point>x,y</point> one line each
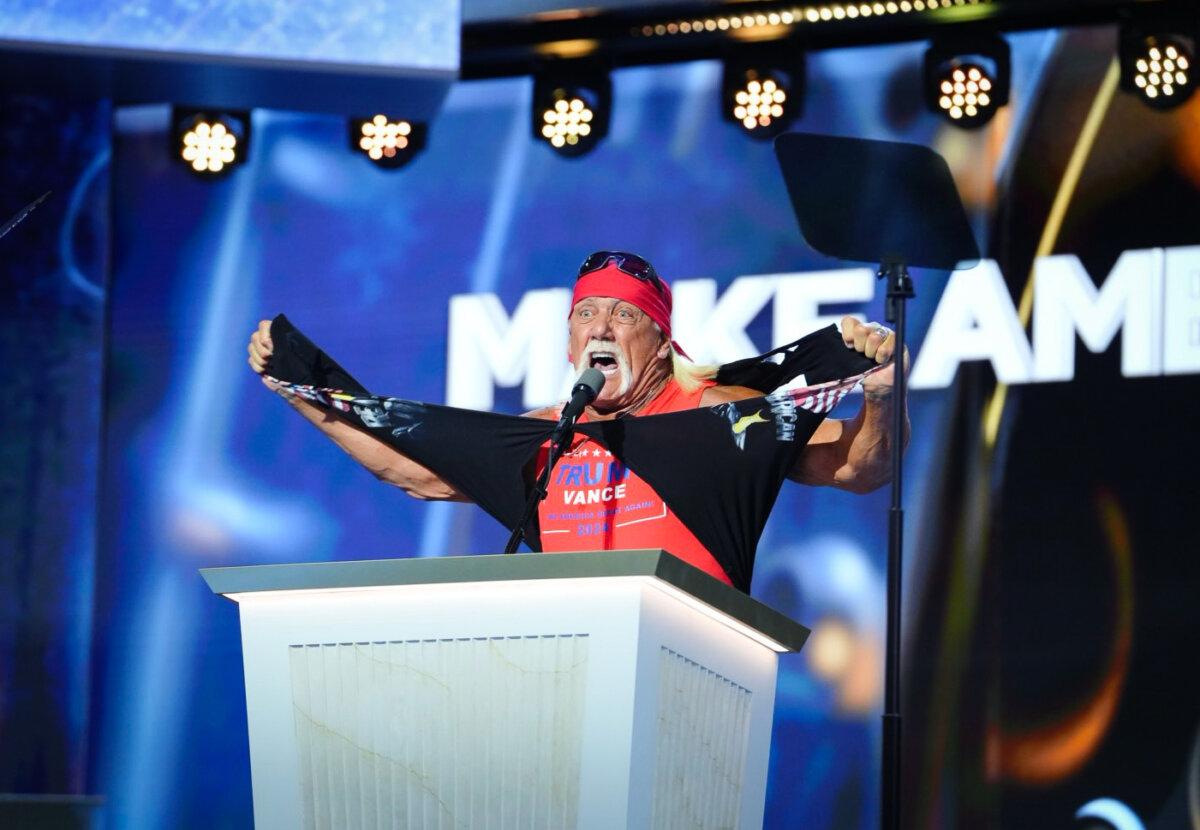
<point>630,264</point>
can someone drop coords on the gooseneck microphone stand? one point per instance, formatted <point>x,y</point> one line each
<point>585,390</point>
<point>558,444</point>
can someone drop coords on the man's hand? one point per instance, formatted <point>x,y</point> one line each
<point>261,348</point>
<point>877,342</point>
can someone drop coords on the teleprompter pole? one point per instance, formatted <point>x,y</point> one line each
<point>898,206</point>
<point>899,291</point>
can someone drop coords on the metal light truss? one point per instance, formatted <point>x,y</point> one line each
<point>697,30</point>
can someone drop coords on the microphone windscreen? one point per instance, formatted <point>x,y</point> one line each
<point>591,379</point>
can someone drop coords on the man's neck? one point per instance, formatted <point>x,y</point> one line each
<point>652,390</point>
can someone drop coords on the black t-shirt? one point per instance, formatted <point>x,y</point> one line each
<point>718,468</point>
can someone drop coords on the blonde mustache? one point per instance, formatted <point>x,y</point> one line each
<point>608,347</point>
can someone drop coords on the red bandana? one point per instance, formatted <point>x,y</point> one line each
<point>611,281</point>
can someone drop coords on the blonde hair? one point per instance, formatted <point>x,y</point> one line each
<point>690,376</point>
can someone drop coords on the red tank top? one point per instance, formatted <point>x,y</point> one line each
<point>595,503</point>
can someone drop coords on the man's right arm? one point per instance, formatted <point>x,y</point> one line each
<point>383,461</point>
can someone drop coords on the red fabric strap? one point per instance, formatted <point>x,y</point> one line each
<point>611,281</point>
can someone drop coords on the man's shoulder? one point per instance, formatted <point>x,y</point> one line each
<point>714,395</point>
<point>546,413</point>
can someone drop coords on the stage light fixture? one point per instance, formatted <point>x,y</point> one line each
<point>1158,67</point>
<point>763,93</point>
<point>966,93</point>
<point>210,143</point>
<point>966,81</point>
<point>760,102</point>
<point>569,121</point>
<point>389,142</point>
<point>571,110</point>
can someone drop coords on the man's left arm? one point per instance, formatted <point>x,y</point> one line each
<point>855,455</point>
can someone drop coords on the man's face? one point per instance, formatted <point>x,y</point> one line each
<point>620,340</point>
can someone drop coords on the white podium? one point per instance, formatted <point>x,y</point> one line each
<point>616,689</point>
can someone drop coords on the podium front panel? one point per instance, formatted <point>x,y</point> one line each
<point>413,733</point>
<point>603,702</point>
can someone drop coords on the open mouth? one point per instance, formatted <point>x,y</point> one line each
<point>606,362</point>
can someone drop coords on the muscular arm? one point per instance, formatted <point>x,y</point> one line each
<point>384,462</point>
<point>853,455</point>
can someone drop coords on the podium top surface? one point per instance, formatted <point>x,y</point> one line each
<point>376,573</point>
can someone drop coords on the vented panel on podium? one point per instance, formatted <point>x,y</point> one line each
<point>616,689</point>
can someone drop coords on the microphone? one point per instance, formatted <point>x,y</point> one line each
<point>585,390</point>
